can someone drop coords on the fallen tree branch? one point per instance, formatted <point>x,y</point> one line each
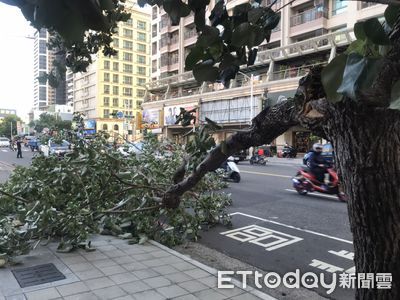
<point>14,197</point>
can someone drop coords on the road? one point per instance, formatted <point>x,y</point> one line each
<point>277,230</point>
<point>9,160</point>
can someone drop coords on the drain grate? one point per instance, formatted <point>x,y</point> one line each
<point>37,275</point>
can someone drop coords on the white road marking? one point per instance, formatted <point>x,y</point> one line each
<point>325,266</point>
<point>315,195</point>
<point>266,174</point>
<point>257,235</point>
<point>293,227</point>
<point>343,253</point>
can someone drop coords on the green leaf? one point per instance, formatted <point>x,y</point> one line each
<point>374,31</point>
<point>395,96</point>
<point>247,35</point>
<point>255,14</point>
<point>358,46</point>
<point>205,72</point>
<point>209,35</point>
<point>359,74</point>
<point>176,9</point>
<point>196,54</point>
<point>143,239</point>
<point>332,76</point>
<point>391,14</point>
<point>271,20</point>
<point>359,31</point>
<point>107,4</point>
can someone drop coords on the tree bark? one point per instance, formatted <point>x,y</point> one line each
<point>367,153</point>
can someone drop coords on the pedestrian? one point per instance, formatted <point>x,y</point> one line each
<point>19,150</point>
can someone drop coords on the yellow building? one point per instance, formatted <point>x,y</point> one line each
<point>112,85</point>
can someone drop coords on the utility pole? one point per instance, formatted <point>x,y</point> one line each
<point>11,131</point>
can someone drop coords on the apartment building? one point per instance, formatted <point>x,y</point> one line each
<point>115,85</point>
<point>310,32</point>
<point>44,95</point>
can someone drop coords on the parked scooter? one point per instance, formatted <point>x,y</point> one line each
<point>305,182</point>
<point>230,170</point>
<point>258,159</point>
<point>288,151</point>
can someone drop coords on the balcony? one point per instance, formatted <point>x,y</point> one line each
<point>308,20</point>
<point>293,72</point>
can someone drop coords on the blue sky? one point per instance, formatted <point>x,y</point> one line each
<point>16,61</point>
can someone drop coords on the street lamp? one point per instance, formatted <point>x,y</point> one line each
<point>251,78</point>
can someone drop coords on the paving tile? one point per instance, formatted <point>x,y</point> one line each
<point>84,296</point>
<point>91,256</point>
<point>156,282</point>
<point>186,297</point>
<point>143,274</point>
<point>172,291</point>
<point>44,294</point>
<point>197,273</point>
<point>172,260</point>
<point>160,253</point>
<point>209,294</point>
<point>149,295</point>
<point>81,267</point>
<point>164,270</point>
<point>114,253</point>
<point>184,266</point>
<point>210,281</point>
<point>14,297</point>
<point>135,287</point>
<point>89,274</point>
<point>230,292</point>
<point>142,257</point>
<point>134,266</point>
<point>124,260</point>
<point>123,278</point>
<point>109,293</point>
<point>153,262</point>
<point>104,263</point>
<point>72,288</point>
<point>148,247</point>
<point>245,296</point>
<point>127,297</point>
<point>99,283</point>
<point>106,248</point>
<point>113,270</point>
<point>132,251</point>
<point>193,286</point>
<point>73,260</point>
<point>179,277</point>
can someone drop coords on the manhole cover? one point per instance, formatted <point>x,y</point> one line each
<point>37,275</point>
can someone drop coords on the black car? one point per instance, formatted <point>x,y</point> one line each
<point>239,156</point>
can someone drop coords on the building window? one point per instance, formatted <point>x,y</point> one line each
<point>115,66</point>
<point>115,78</point>
<point>115,42</point>
<point>106,77</point>
<point>43,33</point>
<point>105,127</point>
<point>140,81</point>
<point>115,102</point>
<point>367,4</point>
<point>42,47</point>
<point>106,89</point>
<point>42,93</point>
<point>141,59</point>
<point>139,104</point>
<point>127,45</point>
<point>106,101</point>
<point>339,7</point>
<point>115,90</point>
<point>129,22</point>
<point>42,62</point>
<point>127,92</point>
<point>106,65</point>
<point>141,36</point>
<point>140,93</point>
<point>127,68</point>
<point>154,30</point>
<point>127,80</point>
<point>127,32</point>
<point>116,128</point>
<point>127,56</point>
<point>141,70</point>
<point>106,113</point>
<point>141,48</point>
<point>141,25</point>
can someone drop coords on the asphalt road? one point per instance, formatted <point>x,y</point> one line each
<point>277,230</point>
<point>8,161</point>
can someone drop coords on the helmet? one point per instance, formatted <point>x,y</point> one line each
<point>317,147</point>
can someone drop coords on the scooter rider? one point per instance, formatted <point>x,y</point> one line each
<point>317,163</point>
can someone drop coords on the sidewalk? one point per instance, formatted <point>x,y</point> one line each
<point>120,271</point>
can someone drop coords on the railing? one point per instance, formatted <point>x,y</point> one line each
<point>294,72</point>
<point>339,10</point>
<point>308,16</point>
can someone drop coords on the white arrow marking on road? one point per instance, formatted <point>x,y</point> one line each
<point>315,195</point>
<point>343,253</point>
<point>266,174</point>
<point>325,266</point>
<point>293,227</point>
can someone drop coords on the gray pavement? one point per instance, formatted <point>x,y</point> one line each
<point>117,270</point>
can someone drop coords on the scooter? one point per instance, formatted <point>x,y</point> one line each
<point>305,182</point>
<point>257,159</point>
<point>230,170</point>
<point>289,152</point>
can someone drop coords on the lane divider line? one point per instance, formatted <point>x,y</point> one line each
<point>266,174</point>
<point>314,195</point>
<point>293,227</point>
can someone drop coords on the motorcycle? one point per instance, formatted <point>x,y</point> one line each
<point>289,152</point>
<point>305,182</point>
<point>230,171</point>
<point>257,159</point>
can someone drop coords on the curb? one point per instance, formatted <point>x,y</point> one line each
<point>212,271</point>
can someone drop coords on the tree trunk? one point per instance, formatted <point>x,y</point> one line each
<point>367,145</point>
